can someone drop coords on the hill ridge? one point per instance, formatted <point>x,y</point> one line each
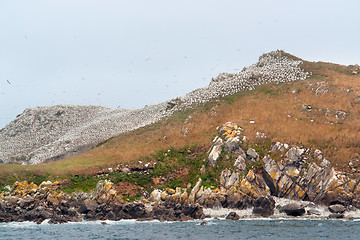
<point>44,134</point>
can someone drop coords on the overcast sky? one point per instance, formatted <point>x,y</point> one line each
<point>132,53</point>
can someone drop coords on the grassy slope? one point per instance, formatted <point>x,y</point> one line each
<point>270,106</point>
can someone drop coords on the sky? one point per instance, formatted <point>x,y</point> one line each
<point>128,54</point>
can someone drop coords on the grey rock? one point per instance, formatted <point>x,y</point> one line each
<point>240,163</point>
<point>232,145</point>
<point>313,212</point>
<point>322,88</point>
<point>325,163</point>
<point>293,209</point>
<point>337,208</point>
<point>318,154</point>
<point>336,215</point>
<point>88,206</point>
<point>264,206</point>
<point>294,156</point>
<point>155,196</point>
<point>252,153</point>
<point>233,216</point>
<point>215,151</point>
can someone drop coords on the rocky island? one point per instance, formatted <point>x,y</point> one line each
<point>278,139</point>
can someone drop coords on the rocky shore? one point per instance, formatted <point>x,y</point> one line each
<point>29,202</point>
<point>285,182</point>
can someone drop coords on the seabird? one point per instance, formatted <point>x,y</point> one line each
<point>8,81</point>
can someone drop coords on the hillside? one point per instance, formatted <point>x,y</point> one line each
<point>321,112</point>
<point>46,134</point>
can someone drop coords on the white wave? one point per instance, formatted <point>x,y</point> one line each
<point>19,225</point>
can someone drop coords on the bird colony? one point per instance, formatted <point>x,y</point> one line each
<point>44,134</point>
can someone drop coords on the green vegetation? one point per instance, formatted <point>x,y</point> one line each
<point>2,187</point>
<point>175,183</point>
<point>231,98</point>
<point>80,183</point>
<point>268,90</point>
<point>180,166</point>
<point>262,147</point>
<point>140,179</point>
<point>37,179</point>
<point>132,198</point>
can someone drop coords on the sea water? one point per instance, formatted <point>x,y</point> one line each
<point>213,229</point>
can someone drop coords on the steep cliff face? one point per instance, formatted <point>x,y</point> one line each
<point>46,134</point>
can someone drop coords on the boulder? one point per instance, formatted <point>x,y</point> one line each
<point>294,156</point>
<point>318,154</point>
<point>293,209</point>
<point>233,216</point>
<point>193,192</point>
<point>313,212</point>
<point>155,196</point>
<point>240,163</point>
<point>336,215</point>
<point>232,145</point>
<point>278,146</point>
<point>325,163</point>
<point>228,179</point>
<point>337,208</point>
<point>252,154</point>
<point>215,151</point>
<point>264,206</point>
<point>323,87</point>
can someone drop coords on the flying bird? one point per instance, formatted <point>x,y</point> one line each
<point>8,82</point>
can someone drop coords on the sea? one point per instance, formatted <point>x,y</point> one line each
<point>208,229</point>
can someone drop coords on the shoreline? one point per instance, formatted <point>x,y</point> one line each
<point>196,221</point>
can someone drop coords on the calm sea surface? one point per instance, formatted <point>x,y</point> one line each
<point>215,229</point>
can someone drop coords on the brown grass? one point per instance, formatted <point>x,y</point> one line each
<point>269,106</point>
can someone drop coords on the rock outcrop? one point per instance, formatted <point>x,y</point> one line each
<point>29,202</point>
<point>293,176</point>
<point>252,181</point>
